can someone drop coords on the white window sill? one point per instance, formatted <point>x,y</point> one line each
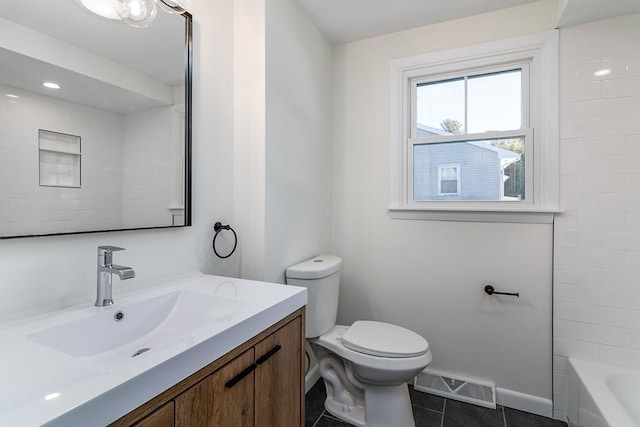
<point>538,216</point>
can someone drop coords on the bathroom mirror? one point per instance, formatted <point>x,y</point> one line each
<point>95,120</point>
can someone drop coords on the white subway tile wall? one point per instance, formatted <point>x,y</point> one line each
<point>597,237</point>
<point>28,208</point>
<point>147,191</point>
<point>128,167</point>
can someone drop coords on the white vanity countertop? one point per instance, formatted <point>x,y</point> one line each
<point>40,385</point>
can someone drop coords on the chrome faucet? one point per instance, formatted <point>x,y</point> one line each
<point>106,270</point>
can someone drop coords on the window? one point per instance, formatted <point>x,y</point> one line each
<point>59,159</point>
<point>449,180</point>
<point>476,129</point>
<point>451,120</point>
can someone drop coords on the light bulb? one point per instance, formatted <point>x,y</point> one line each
<point>137,13</point>
<point>174,6</point>
<point>102,8</point>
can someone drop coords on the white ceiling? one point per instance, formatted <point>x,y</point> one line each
<point>343,21</point>
<point>26,74</point>
<point>143,49</point>
<point>156,51</point>
<point>581,11</point>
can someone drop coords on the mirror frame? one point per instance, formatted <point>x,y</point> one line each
<point>188,70</point>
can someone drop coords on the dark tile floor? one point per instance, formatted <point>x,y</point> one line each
<point>434,411</point>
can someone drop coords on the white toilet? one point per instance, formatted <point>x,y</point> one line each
<point>365,366</point>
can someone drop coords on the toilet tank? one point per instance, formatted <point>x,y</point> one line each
<point>321,276</point>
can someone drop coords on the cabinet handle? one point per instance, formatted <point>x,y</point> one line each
<point>246,371</point>
<point>268,354</point>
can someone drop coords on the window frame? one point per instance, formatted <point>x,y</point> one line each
<point>540,51</point>
<point>449,166</point>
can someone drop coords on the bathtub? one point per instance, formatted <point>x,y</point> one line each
<point>602,395</point>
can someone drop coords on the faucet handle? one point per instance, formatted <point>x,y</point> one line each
<point>108,249</point>
<point>105,254</point>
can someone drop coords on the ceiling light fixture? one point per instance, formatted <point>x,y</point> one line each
<point>137,13</point>
<point>174,6</point>
<point>10,95</point>
<point>51,85</point>
<point>141,13</point>
<point>601,73</point>
<point>102,8</point>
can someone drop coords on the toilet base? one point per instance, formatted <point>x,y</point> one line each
<point>385,406</point>
<point>363,405</point>
<point>365,390</point>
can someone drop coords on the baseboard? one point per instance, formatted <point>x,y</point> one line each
<point>524,402</point>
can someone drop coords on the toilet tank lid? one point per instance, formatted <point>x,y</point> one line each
<point>315,268</point>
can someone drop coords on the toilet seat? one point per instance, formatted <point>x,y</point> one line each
<point>332,341</point>
<point>383,340</point>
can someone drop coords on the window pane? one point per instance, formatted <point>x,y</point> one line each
<point>440,108</point>
<point>495,102</point>
<point>449,173</point>
<point>490,170</point>
<point>449,187</point>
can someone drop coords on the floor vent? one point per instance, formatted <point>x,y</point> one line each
<point>468,390</point>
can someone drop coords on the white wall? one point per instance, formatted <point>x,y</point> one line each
<point>249,105</point>
<point>149,172</point>
<point>48,272</point>
<point>282,137</point>
<point>298,139</point>
<point>429,275</point>
<point>597,238</point>
<point>27,207</point>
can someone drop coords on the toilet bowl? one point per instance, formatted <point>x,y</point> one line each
<point>365,366</point>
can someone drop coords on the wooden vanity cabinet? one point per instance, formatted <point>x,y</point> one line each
<point>260,383</point>
<point>278,399</point>
<point>162,417</point>
<point>212,403</point>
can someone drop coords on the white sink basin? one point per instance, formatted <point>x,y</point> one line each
<point>155,321</point>
<point>80,366</point>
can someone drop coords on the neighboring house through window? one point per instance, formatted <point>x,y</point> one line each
<point>476,129</point>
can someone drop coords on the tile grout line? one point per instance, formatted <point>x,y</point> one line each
<point>427,409</point>
<point>318,419</point>
<point>444,408</point>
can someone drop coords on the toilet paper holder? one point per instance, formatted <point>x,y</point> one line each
<point>489,289</point>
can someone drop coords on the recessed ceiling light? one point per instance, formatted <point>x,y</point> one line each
<point>102,8</point>
<point>51,85</point>
<point>51,396</point>
<point>10,95</point>
<point>601,73</point>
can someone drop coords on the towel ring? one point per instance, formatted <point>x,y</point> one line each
<point>218,227</point>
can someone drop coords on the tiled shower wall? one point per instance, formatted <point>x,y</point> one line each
<point>28,208</point>
<point>597,237</point>
<point>150,160</point>
<point>128,167</point>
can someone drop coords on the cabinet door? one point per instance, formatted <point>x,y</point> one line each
<point>225,398</point>
<point>162,417</point>
<point>279,379</point>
